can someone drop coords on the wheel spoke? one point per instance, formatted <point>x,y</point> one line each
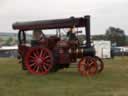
<point>32,57</point>
<point>44,54</point>
<point>37,70</point>
<point>48,65</point>
<point>34,54</point>
<point>83,62</point>
<point>32,64</point>
<point>32,60</point>
<point>91,61</point>
<point>34,68</point>
<point>47,57</point>
<point>48,61</point>
<point>92,70</point>
<point>41,69</point>
<point>37,52</point>
<point>45,68</point>
<point>41,53</point>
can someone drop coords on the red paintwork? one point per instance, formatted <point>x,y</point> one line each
<point>39,61</point>
<point>52,41</point>
<point>23,49</point>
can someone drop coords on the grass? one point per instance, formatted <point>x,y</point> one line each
<point>111,82</point>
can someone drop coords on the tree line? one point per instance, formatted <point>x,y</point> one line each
<point>117,36</point>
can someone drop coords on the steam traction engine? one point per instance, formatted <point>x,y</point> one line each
<point>53,53</point>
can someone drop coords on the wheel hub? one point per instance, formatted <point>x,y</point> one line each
<point>39,61</point>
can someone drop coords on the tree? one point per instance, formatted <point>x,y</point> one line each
<point>9,41</point>
<point>1,40</point>
<point>98,37</point>
<point>116,35</point>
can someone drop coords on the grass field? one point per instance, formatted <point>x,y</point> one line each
<point>113,81</point>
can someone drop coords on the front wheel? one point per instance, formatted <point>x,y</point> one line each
<point>87,66</point>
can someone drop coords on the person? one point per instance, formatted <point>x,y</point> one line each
<point>71,34</point>
<point>37,35</point>
<point>73,41</point>
<point>38,38</point>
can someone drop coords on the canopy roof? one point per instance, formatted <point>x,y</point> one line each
<point>51,24</point>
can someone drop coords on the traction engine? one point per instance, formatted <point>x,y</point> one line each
<point>53,53</point>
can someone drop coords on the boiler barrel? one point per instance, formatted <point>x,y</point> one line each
<point>81,52</point>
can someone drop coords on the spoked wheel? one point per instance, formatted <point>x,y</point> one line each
<point>39,61</point>
<point>87,66</point>
<point>100,64</point>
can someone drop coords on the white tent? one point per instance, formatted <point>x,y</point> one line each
<point>8,48</point>
<point>103,48</point>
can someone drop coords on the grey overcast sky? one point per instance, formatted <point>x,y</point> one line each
<point>104,13</point>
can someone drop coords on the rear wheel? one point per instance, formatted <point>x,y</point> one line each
<point>39,61</point>
<point>87,66</point>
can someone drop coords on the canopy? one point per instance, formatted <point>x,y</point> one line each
<point>52,24</point>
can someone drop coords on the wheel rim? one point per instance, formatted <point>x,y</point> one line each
<point>87,66</point>
<point>39,61</point>
<point>100,64</point>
